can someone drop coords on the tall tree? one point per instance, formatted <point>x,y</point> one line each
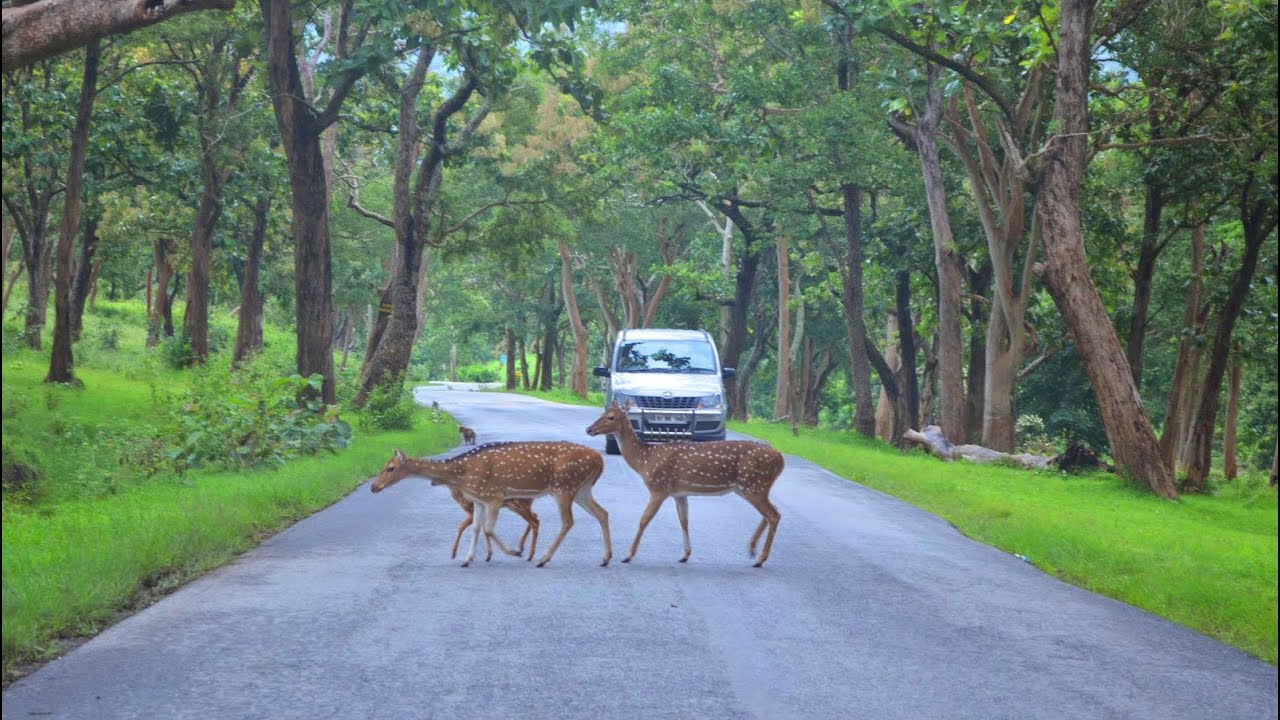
<point>60,360</point>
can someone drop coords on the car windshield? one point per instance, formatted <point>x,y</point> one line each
<point>666,356</point>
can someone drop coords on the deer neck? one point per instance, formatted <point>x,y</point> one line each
<point>439,472</point>
<point>634,450</point>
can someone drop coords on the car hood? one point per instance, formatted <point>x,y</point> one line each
<point>677,384</point>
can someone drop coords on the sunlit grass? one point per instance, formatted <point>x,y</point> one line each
<point>1207,562</point>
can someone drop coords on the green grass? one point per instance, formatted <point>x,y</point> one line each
<point>1206,562</point>
<point>88,539</point>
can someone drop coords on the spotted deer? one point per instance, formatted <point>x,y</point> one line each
<point>680,469</point>
<point>468,435</point>
<point>492,473</point>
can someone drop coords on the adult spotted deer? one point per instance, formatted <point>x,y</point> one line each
<point>681,469</point>
<point>495,472</point>
<point>520,506</point>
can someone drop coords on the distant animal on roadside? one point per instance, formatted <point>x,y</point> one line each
<point>681,469</point>
<point>435,405</point>
<point>468,435</point>
<point>493,473</point>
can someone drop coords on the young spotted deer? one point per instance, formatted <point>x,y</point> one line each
<point>495,472</point>
<point>468,435</point>
<point>681,469</point>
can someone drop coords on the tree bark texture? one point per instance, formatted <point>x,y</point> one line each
<point>579,375</point>
<point>743,286</point>
<point>60,360</point>
<point>33,233</point>
<point>85,271</point>
<point>511,359</point>
<point>195,316</point>
<point>884,406</point>
<point>249,323</point>
<point>976,372</point>
<point>1066,270</point>
<point>1176,408</point>
<point>300,130</point>
<point>908,411</point>
<point>35,31</point>
<point>161,312</point>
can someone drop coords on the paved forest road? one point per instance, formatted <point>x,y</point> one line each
<point>868,608</point>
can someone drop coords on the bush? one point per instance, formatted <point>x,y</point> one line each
<point>389,406</point>
<point>489,372</point>
<point>1031,436</point>
<point>176,350</point>
<point>109,338</point>
<point>249,418</point>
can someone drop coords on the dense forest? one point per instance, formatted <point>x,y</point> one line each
<point>1031,224</point>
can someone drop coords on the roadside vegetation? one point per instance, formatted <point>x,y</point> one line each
<point>119,494</point>
<point>1206,561</point>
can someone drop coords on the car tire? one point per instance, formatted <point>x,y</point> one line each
<point>611,446</point>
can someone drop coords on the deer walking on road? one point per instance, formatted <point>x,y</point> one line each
<point>468,435</point>
<point>493,473</point>
<point>681,469</point>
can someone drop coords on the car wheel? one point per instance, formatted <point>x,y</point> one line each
<point>611,446</point>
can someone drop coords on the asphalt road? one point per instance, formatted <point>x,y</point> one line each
<point>868,608</point>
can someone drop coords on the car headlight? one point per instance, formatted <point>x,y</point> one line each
<point>710,402</point>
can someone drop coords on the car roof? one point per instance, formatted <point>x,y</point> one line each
<point>662,334</point>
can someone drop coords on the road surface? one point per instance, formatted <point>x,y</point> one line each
<point>868,608</point>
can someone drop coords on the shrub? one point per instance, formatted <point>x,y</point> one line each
<point>1031,436</point>
<point>389,406</point>
<point>249,418</point>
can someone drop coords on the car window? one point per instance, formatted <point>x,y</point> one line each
<point>666,356</point>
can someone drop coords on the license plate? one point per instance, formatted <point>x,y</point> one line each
<point>667,420</point>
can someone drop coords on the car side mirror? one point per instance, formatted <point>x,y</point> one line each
<point>601,372</point>
<point>728,372</point>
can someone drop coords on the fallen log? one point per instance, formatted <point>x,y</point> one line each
<point>1077,456</point>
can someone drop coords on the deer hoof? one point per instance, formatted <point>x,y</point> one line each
<point>684,559</point>
<point>759,564</point>
<point>542,564</point>
<point>626,560</point>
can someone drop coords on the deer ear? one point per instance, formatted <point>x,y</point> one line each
<point>625,406</point>
<point>399,455</point>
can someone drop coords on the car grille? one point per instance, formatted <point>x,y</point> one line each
<point>667,403</point>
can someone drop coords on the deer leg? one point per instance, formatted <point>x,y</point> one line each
<point>771,516</point>
<point>755,537</point>
<point>601,515</point>
<point>566,521</point>
<point>490,520</point>
<point>682,509</point>
<point>462,527</point>
<point>475,538</point>
<point>525,510</point>
<point>655,502</point>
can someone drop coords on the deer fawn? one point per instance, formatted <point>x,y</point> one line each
<point>468,435</point>
<point>682,469</point>
<point>493,473</point>
<point>520,506</point>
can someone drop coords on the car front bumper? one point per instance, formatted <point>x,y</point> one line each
<point>655,425</point>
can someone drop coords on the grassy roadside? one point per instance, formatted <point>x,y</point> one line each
<point>1206,562</point>
<point>90,534</point>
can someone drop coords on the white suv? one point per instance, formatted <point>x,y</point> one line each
<point>674,382</point>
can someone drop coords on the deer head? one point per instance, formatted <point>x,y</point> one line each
<point>401,466</point>
<point>612,421</point>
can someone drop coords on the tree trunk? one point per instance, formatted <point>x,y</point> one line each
<point>864,420</point>
<point>1256,230</point>
<point>744,285</point>
<point>249,324</point>
<point>947,260</point>
<point>524,365</point>
<point>453,362</point>
<point>60,360</point>
<point>975,395</point>
<point>1001,371</point>
<point>1143,277</point>
<point>161,313</point>
<point>929,384</point>
<point>150,276</point>
<point>1066,270</point>
<point>908,412</point>
<point>13,279</point>
<point>1275,455</point>
<point>782,388</point>
<point>579,383</point>
<point>536,382</point>
<point>195,317</point>
<point>37,252</point>
<point>884,406</point>
<point>1229,467</point>
<point>739,393</point>
<point>511,359</point>
<point>84,277</point>
<point>300,130</point>
<point>1176,408</point>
